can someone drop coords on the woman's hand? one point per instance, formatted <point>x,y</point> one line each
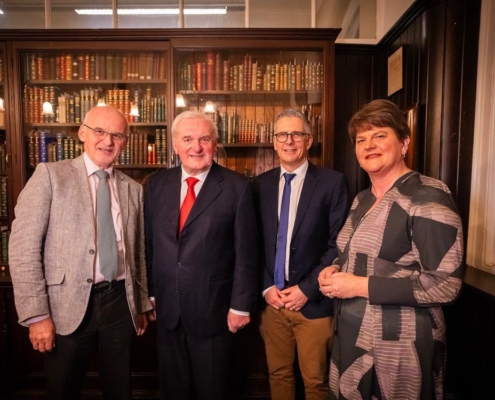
<point>324,278</point>
<point>344,285</point>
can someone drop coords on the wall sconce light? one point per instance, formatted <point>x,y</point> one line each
<point>47,109</point>
<point>101,102</point>
<point>179,101</point>
<point>134,110</point>
<point>2,106</point>
<point>209,107</point>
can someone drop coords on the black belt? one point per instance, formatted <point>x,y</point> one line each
<point>106,286</point>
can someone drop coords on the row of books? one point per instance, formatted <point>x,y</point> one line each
<point>72,107</point>
<point>233,129</point>
<point>216,74</point>
<point>4,248</point>
<point>140,150</point>
<point>45,147</point>
<point>4,209</point>
<point>95,66</point>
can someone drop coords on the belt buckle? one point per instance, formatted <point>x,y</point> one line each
<point>103,286</point>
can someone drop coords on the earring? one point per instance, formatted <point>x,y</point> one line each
<point>403,155</point>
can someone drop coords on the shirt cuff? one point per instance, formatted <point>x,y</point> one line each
<point>39,318</point>
<point>264,292</point>
<point>243,313</point>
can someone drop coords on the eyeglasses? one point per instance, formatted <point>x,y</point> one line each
<point>296,136</point>
<point>116,136</point>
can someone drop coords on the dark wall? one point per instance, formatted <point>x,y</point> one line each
<point>440,53</point>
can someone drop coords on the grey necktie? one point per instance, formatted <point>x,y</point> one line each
<point>107,244</point>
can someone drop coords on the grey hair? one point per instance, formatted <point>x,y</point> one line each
<point>291,112</point>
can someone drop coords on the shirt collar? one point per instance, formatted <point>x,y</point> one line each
<point>200,177</point>
<point>91,167</point>
<point>299,171</point>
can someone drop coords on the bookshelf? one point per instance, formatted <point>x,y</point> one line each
<point>248,85</point>
<point>32,60</point>
<point>59,86</point>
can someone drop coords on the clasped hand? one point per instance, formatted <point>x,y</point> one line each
<point>292,298</point>
<point>342,285</point>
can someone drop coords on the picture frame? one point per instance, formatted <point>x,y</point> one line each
<point>395,68</point>
<point>412,155</point>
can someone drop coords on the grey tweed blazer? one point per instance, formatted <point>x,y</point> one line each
<point>53,240</point>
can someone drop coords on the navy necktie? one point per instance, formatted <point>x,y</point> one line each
<point>283,225</point>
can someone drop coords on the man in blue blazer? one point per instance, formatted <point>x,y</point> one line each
<point>301,209</point>
<point>201,247</point>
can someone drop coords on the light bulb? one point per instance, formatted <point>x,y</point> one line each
<point>134,110</point>
<point>47,109</point>
<point>2,106</point>
<point>179,100</point>
<point>209,107</point>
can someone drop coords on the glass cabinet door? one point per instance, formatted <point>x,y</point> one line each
<point>60,86</point>
<point>243,90</point>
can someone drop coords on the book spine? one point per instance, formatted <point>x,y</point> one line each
<point>210,70</point>
<point>3,197</point>
<point>42,147</point>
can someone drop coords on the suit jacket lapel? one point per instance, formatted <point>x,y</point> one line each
<point>309,186</point>
<point>123,191</point>
<point>272,200</point>
<point>85,207</point>
<point>209,192</point>
<point>173,202</point>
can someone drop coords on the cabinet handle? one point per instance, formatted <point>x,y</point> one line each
<point>7,160</point>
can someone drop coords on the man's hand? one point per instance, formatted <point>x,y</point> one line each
<point>236,321</point>
<point>152,313</point>
<point>274,298</point>
<point>142,322</point>
<point>42,335</point>
<point>294,299</point>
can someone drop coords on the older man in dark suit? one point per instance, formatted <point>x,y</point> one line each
<point>302,208</point>
<point>201,242</point>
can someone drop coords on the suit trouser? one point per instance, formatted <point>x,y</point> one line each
<point>194,367</point>
<point>285,332</point>
<point>107,326</point>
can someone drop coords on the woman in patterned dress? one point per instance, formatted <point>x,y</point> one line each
<point>400,256</point>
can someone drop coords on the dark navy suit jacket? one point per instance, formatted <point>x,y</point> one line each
<point>213,265</point>
<point>321,213</point>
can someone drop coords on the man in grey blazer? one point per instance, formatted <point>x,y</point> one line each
<point>64,292</point>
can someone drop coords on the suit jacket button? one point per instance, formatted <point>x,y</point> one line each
<point>179,265</point>
<point>91,252</point>
<point>89,280</point>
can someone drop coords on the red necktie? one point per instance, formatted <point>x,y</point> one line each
<point>188,201</point>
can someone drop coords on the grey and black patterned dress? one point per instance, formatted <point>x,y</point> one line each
<point>392,345</point>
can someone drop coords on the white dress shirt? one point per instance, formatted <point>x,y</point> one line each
<point>295,194</point>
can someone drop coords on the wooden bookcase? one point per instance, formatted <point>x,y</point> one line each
<point>61,82</point>
<point>248,83</point>
<point>32,73</point>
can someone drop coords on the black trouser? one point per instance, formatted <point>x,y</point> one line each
<point>107,326</point>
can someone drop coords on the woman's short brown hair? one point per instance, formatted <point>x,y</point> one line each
<point>379,114</point>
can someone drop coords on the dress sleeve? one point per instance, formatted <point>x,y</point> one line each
<point>437,248</point>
